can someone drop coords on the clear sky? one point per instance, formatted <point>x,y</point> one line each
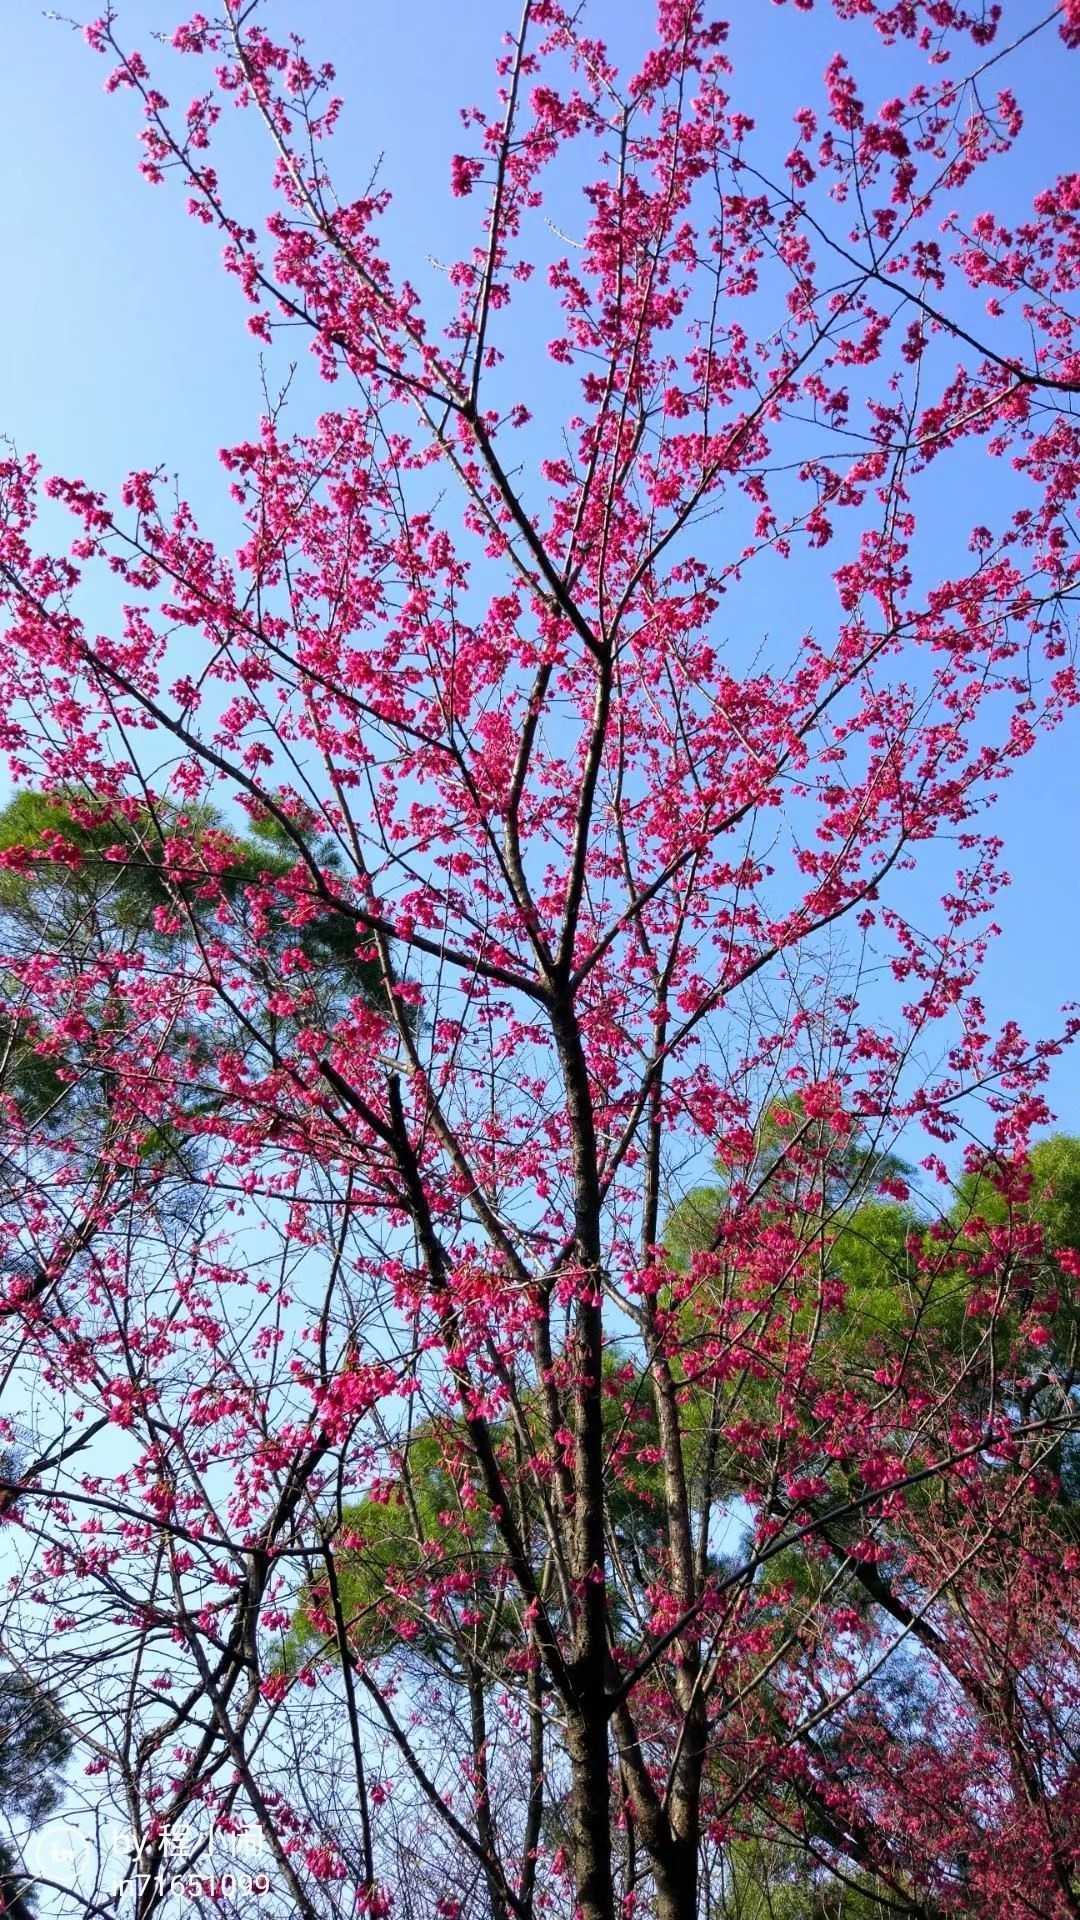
<point>122,344</point>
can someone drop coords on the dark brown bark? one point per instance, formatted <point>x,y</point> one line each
<point>590,1813</point>
<point>535,1810</point>
<point>588,1728</point>
<point>485,1825</point>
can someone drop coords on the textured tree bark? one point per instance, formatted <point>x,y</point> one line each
<point>677,1883</point>
<point>590,1820</point>
<point>588,1740</point>
<point>485,1826</point>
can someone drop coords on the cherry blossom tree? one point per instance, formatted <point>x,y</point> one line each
<point>540,1334</point>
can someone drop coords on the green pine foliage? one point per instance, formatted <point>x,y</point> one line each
<point>123,889</point>
<point>34,1748</point>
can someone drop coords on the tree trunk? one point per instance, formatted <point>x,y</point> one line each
<point>485,1826</point>
<point>588,1719</point>
<point>677,1883</point>
<point>590,1818</point>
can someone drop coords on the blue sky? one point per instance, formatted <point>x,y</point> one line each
<point>123,344</point>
